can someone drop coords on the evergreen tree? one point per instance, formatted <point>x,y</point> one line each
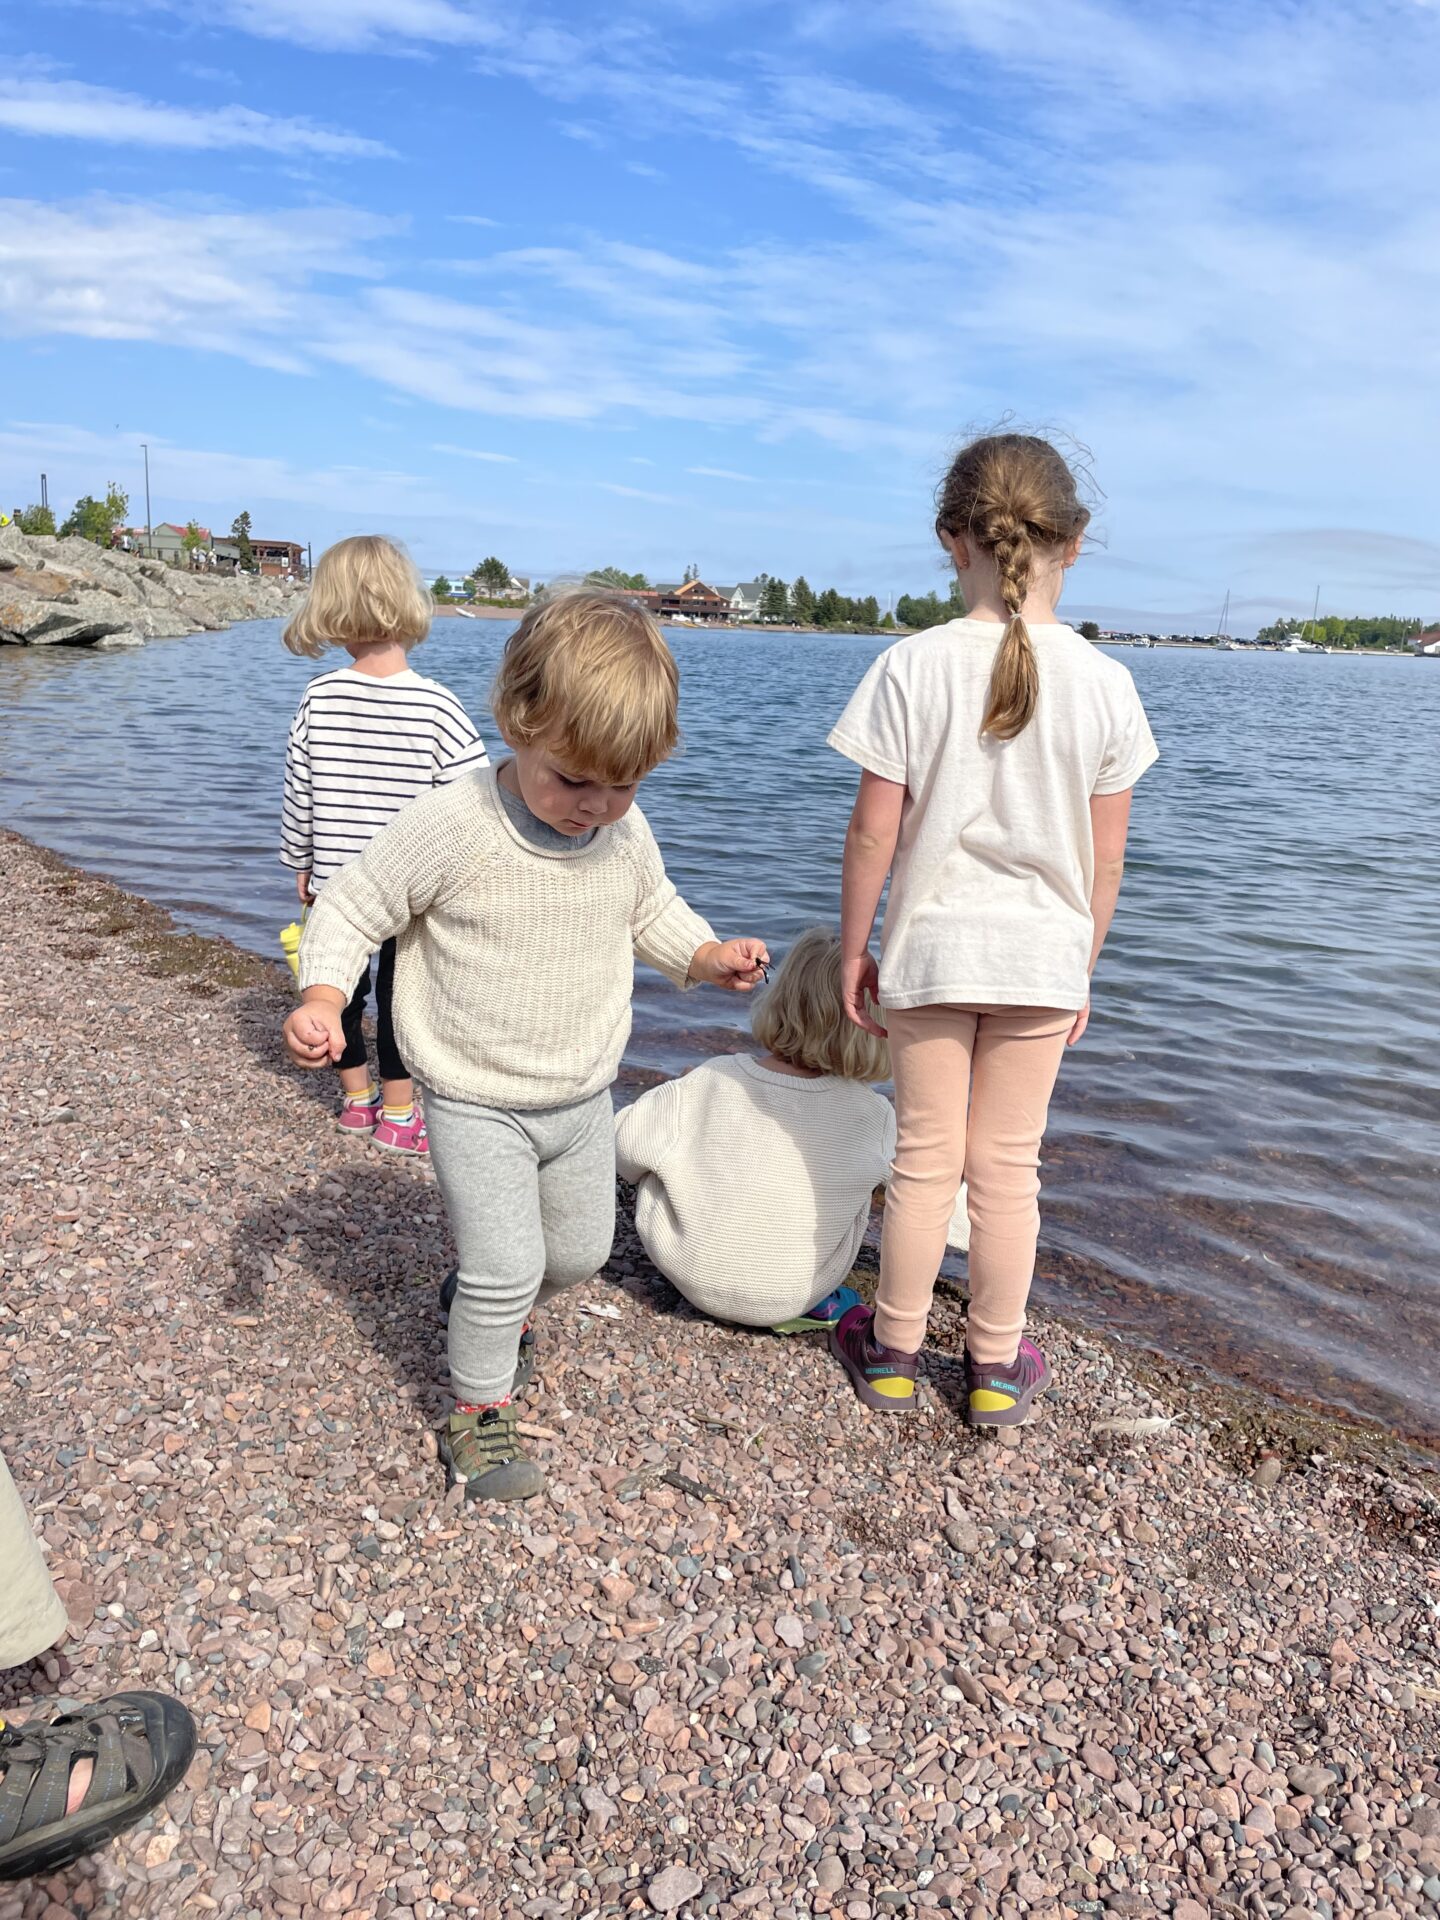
<point>240,534</point>
<point>828,610</point>
<point>1089,629</point>
<point>442,588</point>
<point>492,575</point>
<point>868,612</point>
<point>775,602</point>
<point>928,610</point>
<point>802,602</point>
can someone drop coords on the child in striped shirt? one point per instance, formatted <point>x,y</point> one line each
<point>367,738</point>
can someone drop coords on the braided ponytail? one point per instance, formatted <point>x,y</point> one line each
<point>1012,494</point>
<point>1015,678</point>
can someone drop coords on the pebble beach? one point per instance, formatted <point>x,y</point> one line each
<point>1166,1651</point>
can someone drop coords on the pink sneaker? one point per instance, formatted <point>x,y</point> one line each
<point>407,1136</point>
<point>355,1117</point>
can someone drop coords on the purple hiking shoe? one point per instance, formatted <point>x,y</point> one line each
<point>883,1377</point>
<point>997,1396</point>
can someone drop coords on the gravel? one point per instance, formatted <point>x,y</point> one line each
<point>1129,1680</point>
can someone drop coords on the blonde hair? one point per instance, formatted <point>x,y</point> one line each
<point>364,588</point>
<point>1012,494</point>
<point>801,1016</point>
<point>589,676</point>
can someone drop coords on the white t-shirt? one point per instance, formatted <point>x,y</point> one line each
<point>990,889</point>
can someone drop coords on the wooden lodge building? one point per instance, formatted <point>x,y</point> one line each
<point>693,601</point>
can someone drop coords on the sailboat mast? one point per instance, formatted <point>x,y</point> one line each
<point>1315,615</point>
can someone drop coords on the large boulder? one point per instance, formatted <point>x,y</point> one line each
<point>69,592</point>
<point>74,618</point>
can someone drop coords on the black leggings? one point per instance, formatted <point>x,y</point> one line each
<point>392,1067</point>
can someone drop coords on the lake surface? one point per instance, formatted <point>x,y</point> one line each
<point>1243,1160</point>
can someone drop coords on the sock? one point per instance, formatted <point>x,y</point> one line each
<point>399,1116</point>
<point>365,1099</point>
<point>485,1406</point>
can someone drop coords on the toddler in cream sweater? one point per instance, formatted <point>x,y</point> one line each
<point>755,1175</point>
<point>518,899</point>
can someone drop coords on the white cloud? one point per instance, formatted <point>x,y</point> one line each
<point>197,476</point>
<point>68,109</point>
<point>474,453</point>
<point>723,473</point>
<point>237,283</point>
<point>352,25</point>
<point>637,493</point>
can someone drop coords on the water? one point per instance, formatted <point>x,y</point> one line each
<point>1242,1167</point>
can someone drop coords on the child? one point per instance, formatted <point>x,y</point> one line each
<point>518,899</point>
<point>755,1175</point>
<point>998,753</point>
<point>366,739</point>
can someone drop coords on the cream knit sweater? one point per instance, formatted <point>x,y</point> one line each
<point>754,1186</point>
<point>514,963</point>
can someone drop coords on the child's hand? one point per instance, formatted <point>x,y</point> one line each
<point>304,888</point>
<point>736,965</point>
<point>314,1035</point>
<point>1082,1020</point>
<point>859,984</point>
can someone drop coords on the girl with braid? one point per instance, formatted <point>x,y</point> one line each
<point>998,753</point>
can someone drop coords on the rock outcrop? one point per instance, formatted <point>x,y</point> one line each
<point>70,593</point>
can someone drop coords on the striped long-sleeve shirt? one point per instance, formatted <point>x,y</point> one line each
<point>360,748</point>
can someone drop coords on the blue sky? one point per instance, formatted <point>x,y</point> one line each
<point>677,281</point>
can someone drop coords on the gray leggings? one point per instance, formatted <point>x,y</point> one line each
<point>531,1200</point>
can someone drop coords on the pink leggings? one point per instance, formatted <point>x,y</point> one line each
<point>999,1063</point>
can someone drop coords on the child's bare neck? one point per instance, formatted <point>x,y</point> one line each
<point>378,658</point>
<point>774,1064</point>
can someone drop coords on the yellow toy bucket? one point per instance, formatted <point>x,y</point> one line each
<point>290,938</point>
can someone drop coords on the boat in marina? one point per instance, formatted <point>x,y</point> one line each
<point>1298,643</point>
<point>1223,642</point>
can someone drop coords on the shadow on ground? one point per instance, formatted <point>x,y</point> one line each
<point>370,1235</point>
<point>257,1016</point>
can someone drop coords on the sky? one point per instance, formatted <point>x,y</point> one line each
<point>677,282</point>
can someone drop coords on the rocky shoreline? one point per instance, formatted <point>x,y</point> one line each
<point>71,593</point>
<point>757,1652</point>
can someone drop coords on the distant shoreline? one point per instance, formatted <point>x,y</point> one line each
<point>445,610</point>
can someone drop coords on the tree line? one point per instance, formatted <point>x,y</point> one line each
<point>1383,630</point>
<point>798,604</point>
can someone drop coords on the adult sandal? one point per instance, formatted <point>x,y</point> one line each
<point>140,1744</point>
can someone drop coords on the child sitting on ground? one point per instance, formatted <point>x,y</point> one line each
<point>755,1175</point>
<point>367,738</point>
<point>519,899</point>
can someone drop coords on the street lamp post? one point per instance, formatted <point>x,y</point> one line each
<point>149,536</point>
